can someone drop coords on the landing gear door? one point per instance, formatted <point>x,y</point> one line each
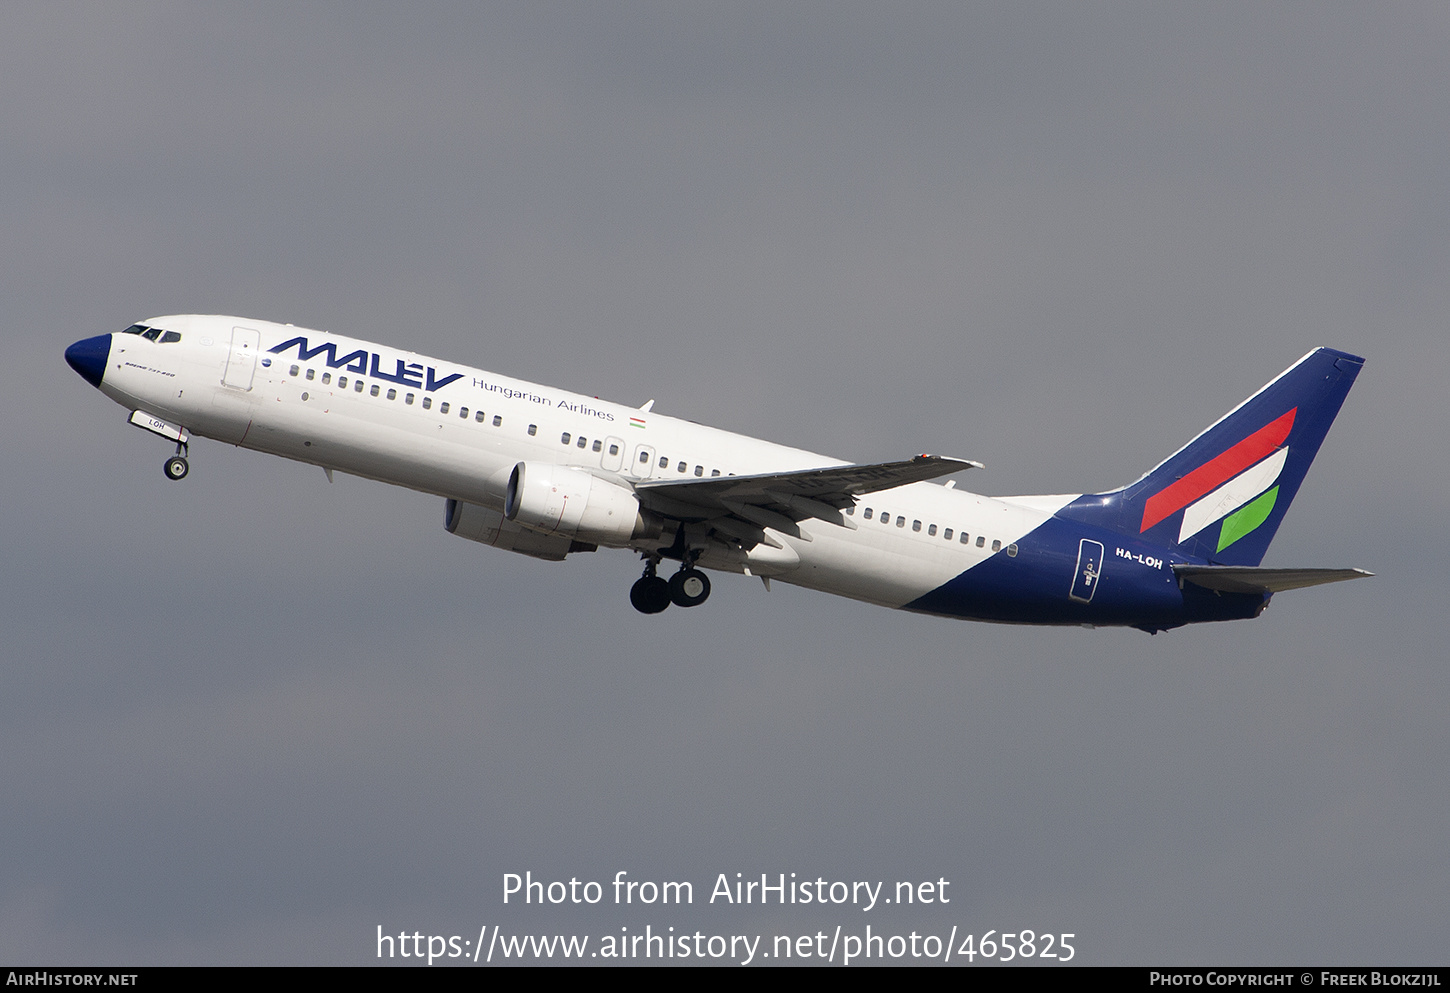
<point>643,465</point>
<point>242,359</point>
<point>1089,568</point>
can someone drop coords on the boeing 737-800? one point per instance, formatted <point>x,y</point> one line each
<point>549,473</point>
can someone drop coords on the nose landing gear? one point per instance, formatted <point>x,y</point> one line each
<point>177,467</point>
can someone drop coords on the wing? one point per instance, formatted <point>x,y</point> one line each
<point>1251,579</point>
<point>743,506</point>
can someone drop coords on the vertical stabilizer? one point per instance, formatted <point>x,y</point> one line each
<point>1221,497</point>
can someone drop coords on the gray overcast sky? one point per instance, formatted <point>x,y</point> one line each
<point>252,717</point>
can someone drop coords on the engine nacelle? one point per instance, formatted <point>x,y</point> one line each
<point>563,500</point>
<point>469,520</point>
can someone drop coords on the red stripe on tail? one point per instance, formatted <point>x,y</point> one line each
<point>1216,471</point>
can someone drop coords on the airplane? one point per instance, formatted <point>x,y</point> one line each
<point>549,473</point>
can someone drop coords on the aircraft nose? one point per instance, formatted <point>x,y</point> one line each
<point>88,357</point>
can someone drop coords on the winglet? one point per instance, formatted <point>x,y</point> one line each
<point>965,463</point>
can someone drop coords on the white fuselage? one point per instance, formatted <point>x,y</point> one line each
<point>457,432</point>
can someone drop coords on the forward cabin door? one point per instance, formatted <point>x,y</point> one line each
<point>242,359</point>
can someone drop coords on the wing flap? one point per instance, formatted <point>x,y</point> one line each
<point>836,486</point>
<point>780,500</point>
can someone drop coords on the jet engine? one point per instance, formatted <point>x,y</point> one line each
<point>482,524</point>
<point>573,502</point>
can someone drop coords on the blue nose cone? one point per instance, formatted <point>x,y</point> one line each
<point>89,357</point>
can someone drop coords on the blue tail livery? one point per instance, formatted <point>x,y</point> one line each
<point>1221,497</point>
<point>1183,543</point>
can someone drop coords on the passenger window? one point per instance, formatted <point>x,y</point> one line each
<point>885,517</point>
<point>850,511</point>
<point>357,386</point>
<point>996,545</point>
<point>981,540</point>
<point>901,522</point>
<point>916,525</point>
<point>311,373</point>
<point>427,403</point>
<point>169,337</point>
<point>931,530</point>
<point>866,513</point>
<point>947,534</point>
<point>564,438</point>
<point>479,417</point>
<point>443,407</point>
<point>643,457</point>
<point>966,538</point>
<point>664,462</point>
<point>699,470</point>
<point>293,371</point>
<point>326,378</point>
<point>342,382</point>
<point>463,413</point>
<point>1012,550</point>
<point>408,399</point>
<point>583,441</point>
<point>374,391</point>
<point>533,430</point>
<point>714,472</point>
<point>498,420</point>
<point>597,446</point>
<point>613,449</point>
<point>392,394</point>
<point>680,467</point>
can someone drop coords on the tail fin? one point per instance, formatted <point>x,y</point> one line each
<point>1221,497</point>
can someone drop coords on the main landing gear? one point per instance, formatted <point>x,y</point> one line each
<point>177,467</point>
<point>689,587</point>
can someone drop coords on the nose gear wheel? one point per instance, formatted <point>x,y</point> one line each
<point>177,467</point>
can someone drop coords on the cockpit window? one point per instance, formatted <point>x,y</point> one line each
<point>154,334</point>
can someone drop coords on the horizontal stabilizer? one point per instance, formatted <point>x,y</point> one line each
<point>1252,579</point>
